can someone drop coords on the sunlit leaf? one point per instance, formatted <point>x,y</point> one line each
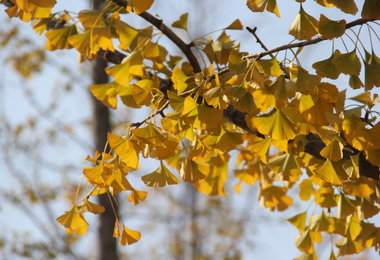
<point>304,242</point>
<point>299,221</point>
<point>131,66</point>
<point>274,197</point>
<point>306,189</point>
<point>137,196</point>
<point>304,26</point>
<point>330,173</point>
<point>287,166</point>
<point>270,67</point>
<point>261,5</point>
<point>222,141</point>
<point>367,209</point>
<point>347,6</point>
<point>235,25</point>
<point>179,80</point>
<point>361,187</point>
<point>303,82</point>
<point>160,177</point>
<point>129,236</point>
<point>192,171</point>
<point>260,149</point>
<point>319,222</point>
<point>277,125</point>
<point>333,151</point>
<point>127,149</point>
<point>91,18</point>
<point>73,221</point>
<point>91,207</point>
<point>313,108</point>
<point>345,206</point>
<point>126,34</point>
<point>371,75</point>
<point>139,6</point>
<point>331,29</point>
<point>58,38</point>
<point>182,22</point>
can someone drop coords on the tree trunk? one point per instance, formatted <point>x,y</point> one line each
<point>101,126</point>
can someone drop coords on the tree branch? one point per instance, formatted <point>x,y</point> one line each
<point>158,23</point>
<point>303,43</point>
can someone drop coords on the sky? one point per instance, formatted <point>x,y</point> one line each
<point>274,239</point>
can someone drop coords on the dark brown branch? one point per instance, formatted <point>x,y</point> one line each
<point>253,32</point>
<point>158,23</point>
<point>303,43</point>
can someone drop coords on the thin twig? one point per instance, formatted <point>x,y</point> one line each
<point>253,32</point>
<point>303,43</point>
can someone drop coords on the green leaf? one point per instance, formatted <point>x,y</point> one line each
<point>182,22</point>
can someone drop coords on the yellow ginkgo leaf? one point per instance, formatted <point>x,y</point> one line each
<point>261,5</point>
<point>137,196</point>
<point>329,173</point>
<point>270,67</point>
<point>160,177</point>
<point>304,26</point>
<point>303,82</point>
<point>192,171</point>
<point>235,62</point>
<point>58,38</point>
<point>126,33</point>
<point>277,126</point>
<point>331,29</point>
<point>95,175</point>
<point>129,236</point>
<point>345,205</point>
<point>274,197</point>
<point>361,187</point>
<point>319,222</point>
<point>348,63</point>
<point>367,209</point>
<point>333,151</point>
<point>73,221</point>
<point>235,25</point>
<point>138,6</point>
<point>286,166</point>
<point>299,221</point>
<point>306,189</point>
<point>314,108</point>
<point>326,68</point>
<point>107,93</point>
<point>348,247</point>
<point>304,242</point>
<point>371,75</point>
<point>213,184</point>
<point>347,6</point>
<point>260,149</point>
<point>179,80</point>
<point>222,141</point>
<point>131,66</point>
<point>91,18</point>
<point>91,207</point>
<point>127,149</point>
<point>182,22</point>
<point>116,182</point>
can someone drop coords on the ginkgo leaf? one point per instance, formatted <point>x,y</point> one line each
<point>345,205</point>
<point>304,26</point>
<point>348,63</point>
<point>261,5</point>
<point>353,228</point>
<point>270,67</point>
<point>138,6</point>
<point>117,182</point>
<point>347,6</point>
<point>333,151</point>
<point>131,66</point>
<point>304,242</point>
<point>91,207</point>
<point>91,18</point>
<point>235,25</point>
<point>274,197</point>
<point>277,126</point>
<point>95,175</point>
<point>371,9</point>
<point>160,177</point>
<point>129,236</point>
<point>182,22</point>
<point>126,34</point>
<point>73,221</point>
<point>361,187</point>
<point>331,29</point>
<point>260,149</point>
<point>107,93</point>
<point>236,63</point>
<point>214,96</point>
<point>355,82</point>
<point>213,184</point>
<point>349,247</point>
<point>303,82</point>
<point>299,221</point>
<point>179,80</point>
<point>306,189</point>
<point>313,108</point>
<point>319,222</point>
<point>137,196</point>
<point>58,38</point>
<point>371,75</point>
<point>127,149</point>
<point>222,141</point>
<point>326,68</point>
<point>287,166</point>
<point>330,173</point>
<point>367,209</point>
<point>192,171</point>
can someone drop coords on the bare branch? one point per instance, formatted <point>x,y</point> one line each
<point>158,23</point>
<point>303,43</point>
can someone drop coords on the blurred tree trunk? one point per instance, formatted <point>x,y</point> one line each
<point>101,126</point>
